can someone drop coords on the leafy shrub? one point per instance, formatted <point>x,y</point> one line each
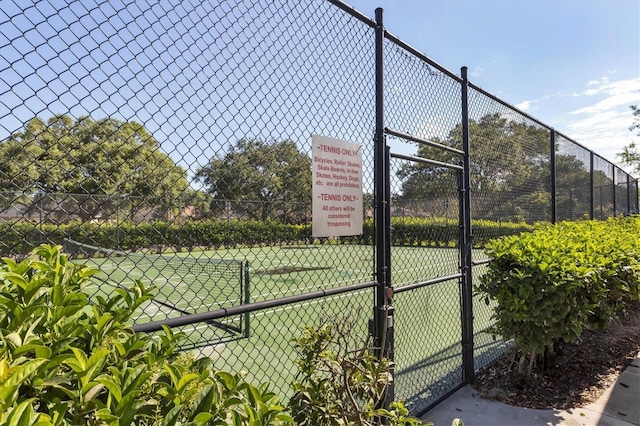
<point>67,361</point>
<point>341,382</point>
<point>553,282</point>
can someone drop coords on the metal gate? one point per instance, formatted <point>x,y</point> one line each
<point>429,345</point>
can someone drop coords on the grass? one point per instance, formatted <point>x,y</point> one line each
<point>427,322</point>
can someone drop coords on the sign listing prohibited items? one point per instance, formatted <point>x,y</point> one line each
<point>337,187</point>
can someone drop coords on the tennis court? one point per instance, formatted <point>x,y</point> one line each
<point>429,316</point>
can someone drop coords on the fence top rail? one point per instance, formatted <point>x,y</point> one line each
<point>397,41</point>
<point>394,39</point>
<point>601,158</point>
<point>508,105</point>
<point>562,135</point>
<point>354,12</point>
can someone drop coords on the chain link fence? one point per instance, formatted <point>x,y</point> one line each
<point>171,142</point>
<point>148,138</point>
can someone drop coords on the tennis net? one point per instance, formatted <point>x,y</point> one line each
<point>185,284</point>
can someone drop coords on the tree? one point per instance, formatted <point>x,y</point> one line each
<point>199,202</point>
<point>104,164</point>
<point>260,180</point>
<point>631,155</point>
<point>508,164</point>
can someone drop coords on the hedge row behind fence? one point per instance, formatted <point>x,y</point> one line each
<point>554,282</point>
<point>19,238</point>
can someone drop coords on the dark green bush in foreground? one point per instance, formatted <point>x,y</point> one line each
<point>556,281</point>
<point>66,361</point>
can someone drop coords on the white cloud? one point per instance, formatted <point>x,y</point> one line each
<point>609,103</point>
<point>528,105</point>
<point>524,106</point>
<point>477,71</point>
<point>600,116</point>
<point>604,124</point>
<point>602,81</point>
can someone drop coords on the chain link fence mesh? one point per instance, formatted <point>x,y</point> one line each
<point>573,180</point>
<point>182,130</point>
<point>181,133</point>
<point>621,194</point>
<point>603,188</point>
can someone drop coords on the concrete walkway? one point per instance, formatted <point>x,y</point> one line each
<point>618,406</point>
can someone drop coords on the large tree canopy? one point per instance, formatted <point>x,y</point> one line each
<point>104,157</point>
<point>508,164</point>
<point>265,180</point>
<point>510,174</point>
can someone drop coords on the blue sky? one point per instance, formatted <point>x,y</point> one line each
<point>572,64</point>
<point>194,74</point>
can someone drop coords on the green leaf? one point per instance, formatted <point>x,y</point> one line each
<point>15,279</point>
<point>112,385</point>
<point>14,339</point>
<point>185,380</point>
<point>202,418</point>
<point>93,391</point>
<point>204,400</point>
<point>106,415</point>
<point>95,363</point>
<point>228,379</point>
<point>39,350</point>
<point>21,414</point>
<point>15,375</point>
<point>172,417</point>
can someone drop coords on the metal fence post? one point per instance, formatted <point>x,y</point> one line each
<point>382,329</point>
<point>615,196</point>
<point>466,240</point>
<point>554,192</point>
<point>592,189</point>
<point>379,184</point>
<point>636,196</point>
<point>247,298</point>
<point>389,310</point>
<point>628,212</point>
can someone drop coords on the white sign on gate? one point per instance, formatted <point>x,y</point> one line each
<point>337,187</point>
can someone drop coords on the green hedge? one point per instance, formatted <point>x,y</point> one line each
<point>19,238</point>
<point>554,282</point>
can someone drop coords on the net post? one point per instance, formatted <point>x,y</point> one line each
<point>247,297</point>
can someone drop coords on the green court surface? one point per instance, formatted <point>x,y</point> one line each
<point>427,320</point>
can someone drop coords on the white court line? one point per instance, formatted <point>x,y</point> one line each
<point>289,307</point>
<point>332,284</point>
<point>316,287</point>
